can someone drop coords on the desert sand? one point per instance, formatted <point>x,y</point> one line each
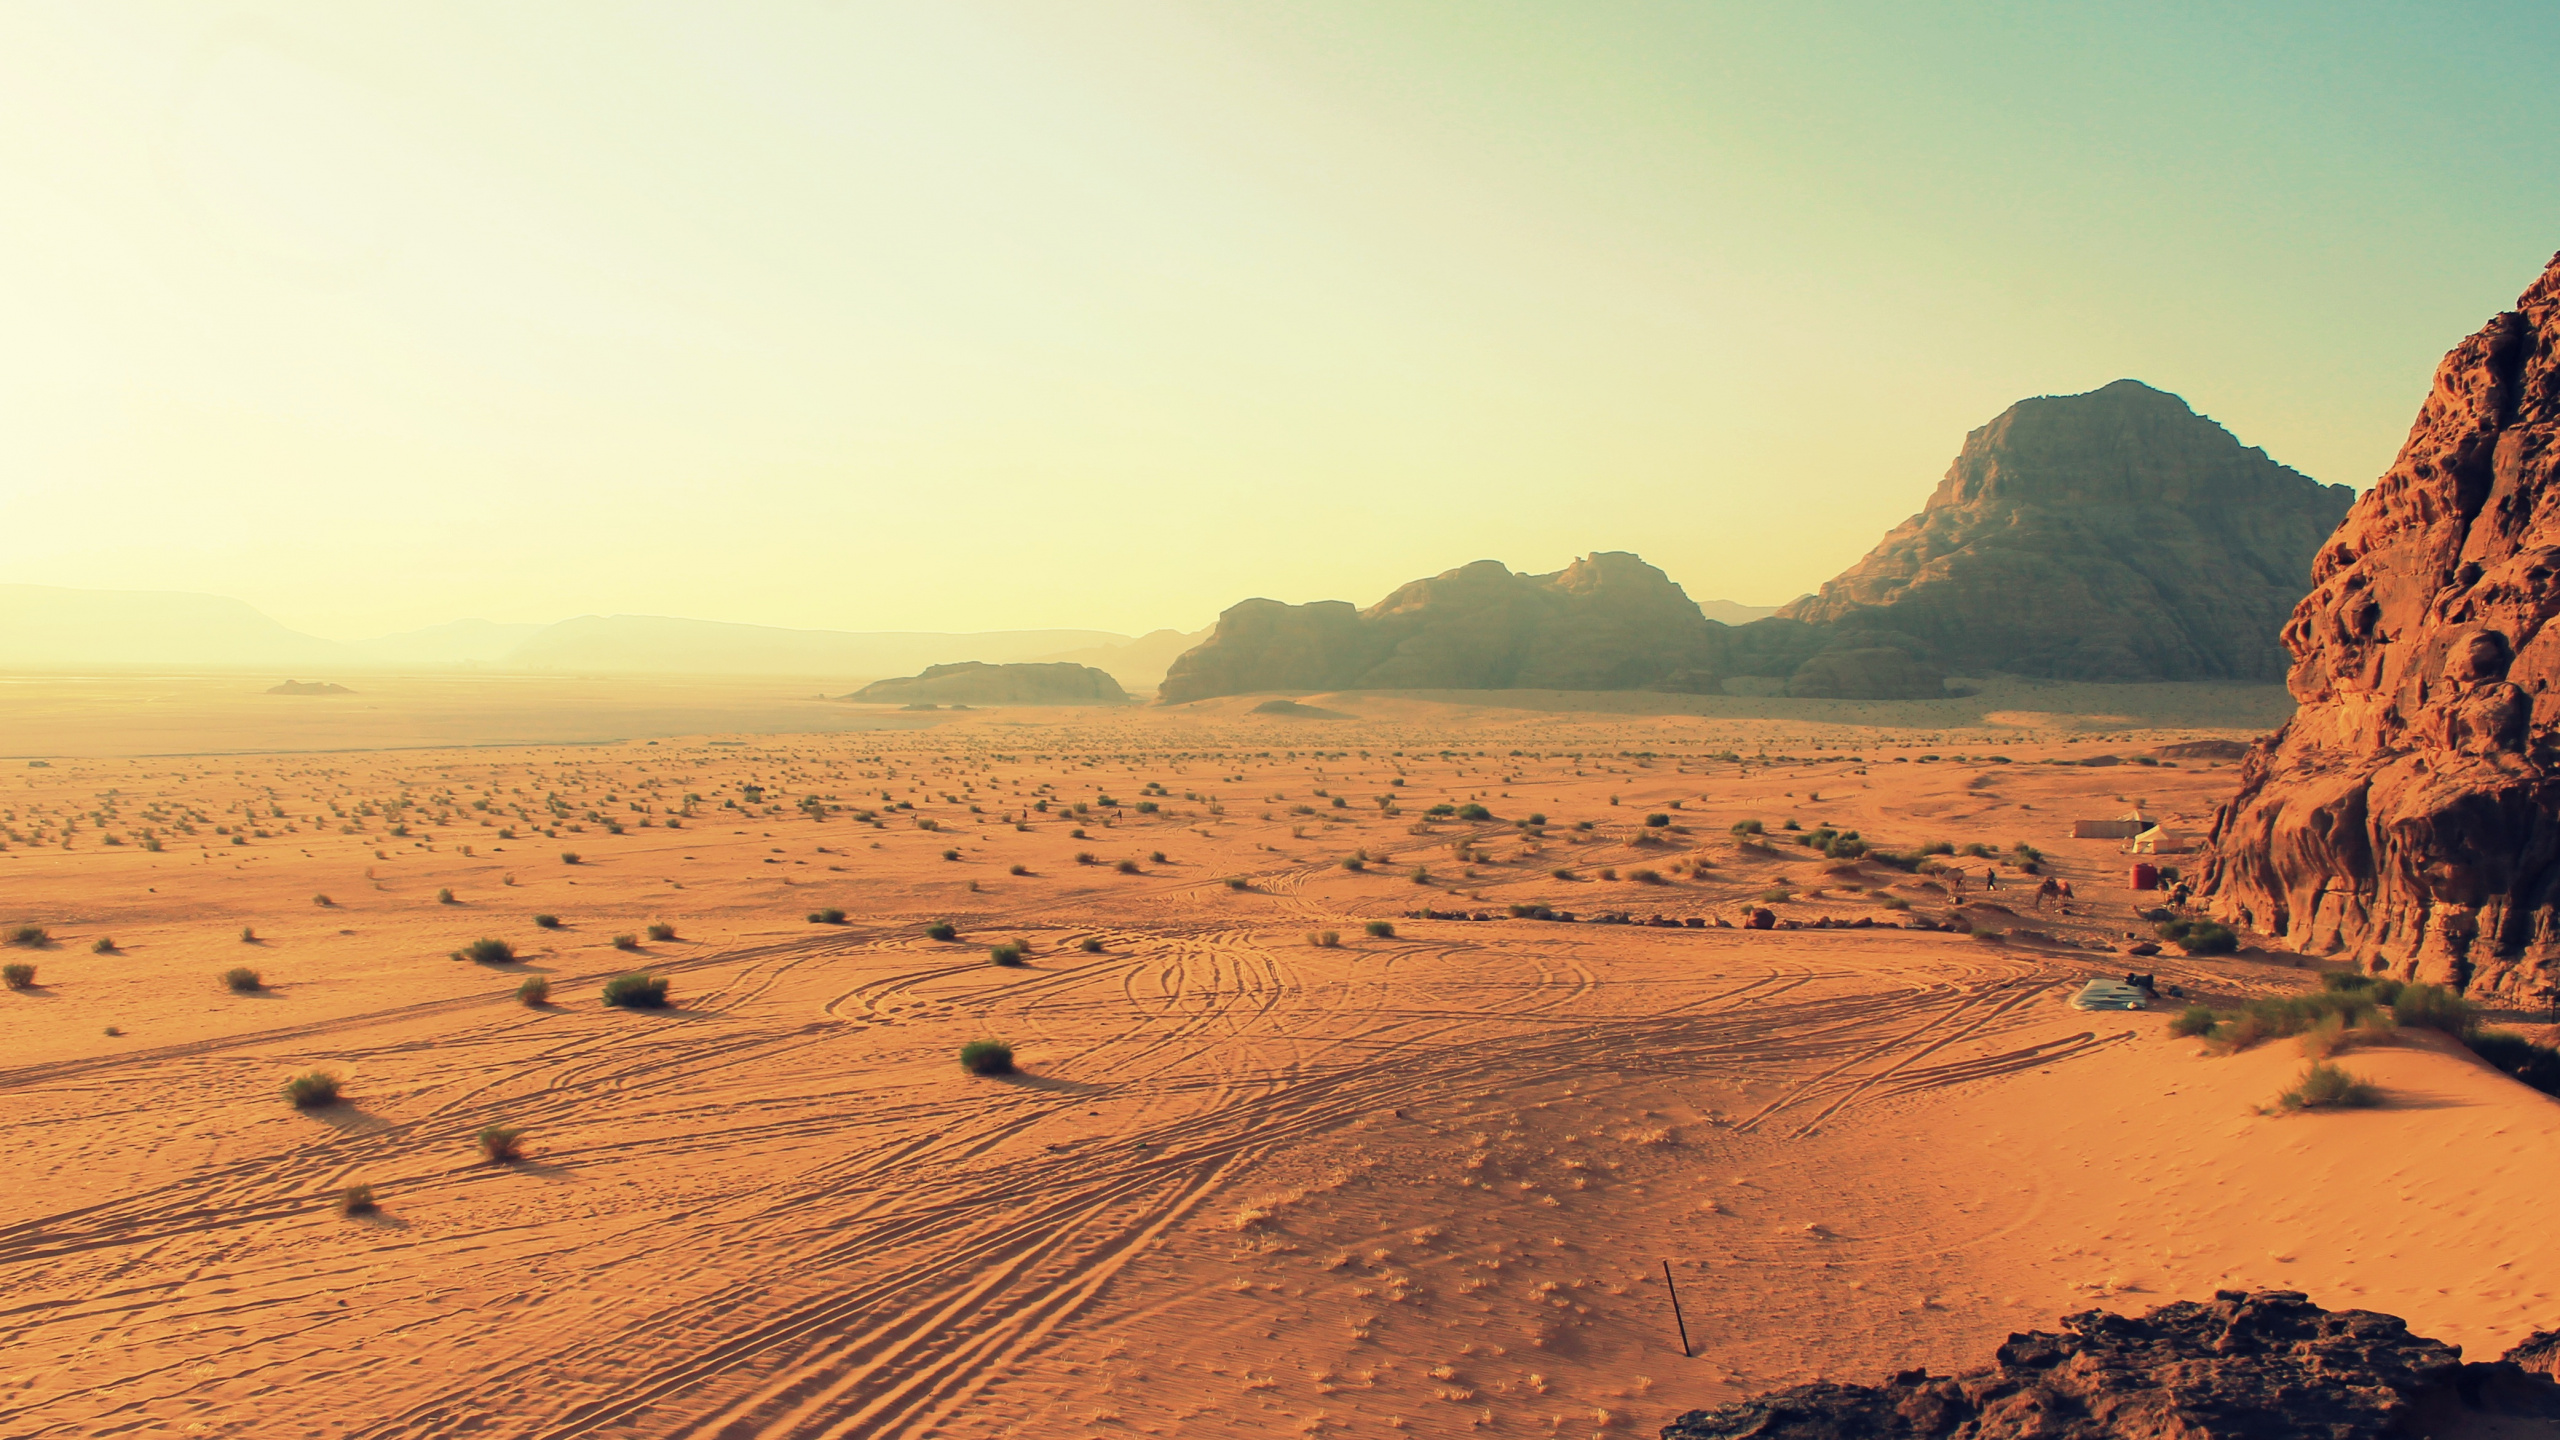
<point>1242,1183</point>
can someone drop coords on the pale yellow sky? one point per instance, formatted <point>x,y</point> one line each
<point>972,315</point>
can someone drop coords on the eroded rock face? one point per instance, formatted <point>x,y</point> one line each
<point>2409,814</point>
<point>2264,1365</point>
<point>975,682</point>
<point>2116,535</point>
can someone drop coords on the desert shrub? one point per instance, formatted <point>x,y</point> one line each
<point>942,930</point>
<point>356,1200</point>
<point>1895,902</point>
<point>546,922</point>
<point>323,901</point>
<point>500,1144</point>
<point>1776,894</point>
<point>1749,827</point>
<point>987,1057</point>
<point>950,854</point>
<point>1381,929</point>
<point>662,931</point>
<point>636,991</point>
<point>1084,857</point>
<point>2324,1086</point>
<point>1421,875</point>
<point>568,857</point>
<point>30,936</point>
<point>248,935</point>
<point>2386,991</point>
<point>312,1090</point>
<point>1156,857</point>
<point>1989,936</point>
<point>105,945</point>
<point>1647,877</point>
<point>1020,870</point>
<point>2326,1037</point>
<point>1656,821</point>
<point>445,897</point>
<point>829,916</point>
<point>1978,850</point>
<point>1238,882</point>
<point>534,993</point>
<point>1938,847</point>
<point>2505,1050</point>
<point>1354,862</point>
<point>487,952</point>
<point>1127,867</point>
<point>1560,873</point>
<point>1009,953</point>
<point>2345,980</point>
<point>1608,872</point>
<point>2198,937</point>
<point>17,975</point>
<point>241,980</point>
<point>1325,939</point>
<point>1474,812</point>
<point>1090,945</point>
<point>2193,1021</point>
<point>2432,1007</point>
<point>626,941</point>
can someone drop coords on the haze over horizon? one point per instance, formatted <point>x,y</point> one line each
<point>993,316</point>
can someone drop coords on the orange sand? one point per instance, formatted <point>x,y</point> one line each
<point>1243,1184</point>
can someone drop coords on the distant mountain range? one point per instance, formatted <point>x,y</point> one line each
<point>51,628</point>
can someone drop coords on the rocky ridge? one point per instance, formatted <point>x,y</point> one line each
<point>2408,815</point>
<point>2262,1365</point>
<point>973,682</point>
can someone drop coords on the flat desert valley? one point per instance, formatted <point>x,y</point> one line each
<point>1440,1181</point>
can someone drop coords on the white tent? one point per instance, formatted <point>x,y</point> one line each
<point>2161,840</point>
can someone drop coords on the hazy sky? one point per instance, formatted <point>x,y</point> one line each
<point>959,315</point>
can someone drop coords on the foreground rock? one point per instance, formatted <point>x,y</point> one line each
<point>2116,535</point>
<point>975,683</point>
<point>2263,1365</point>
<point>2408,815</point>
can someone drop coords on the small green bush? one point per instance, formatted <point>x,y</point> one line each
<point>485,951</point>
<point>1474,812</point>
<point>1354,862</point>
<point>546,922</point>
<point>1020,870</point>
<point>1656,821</point>
<point>1776,894</point>
<point>1749,827</point>
<point>445,897</point>
<point>1895,902</point>
<point>31,937</point>
<point>626,941</point>
<point>248,935</point>
<point>1238,882</point>
<point>1009,953</point>
<point>1381,929</point>
<point>1090,945</point>
<point>17,975</point>
<point>356,1200</point>
<point>942,930</point>
<point>1325,939</point>
<point>950,854</point>
<point>312,1090</point>
<point>106,946</point>
<point>501,1144</point>
<point>241,980</point>
<point>1127,867</point>
<point>2193,1021</point>
<point>636,991</point>
<point>2431,1007</point>
<point>831,916</point>
<point>534,993</point>
<point>662,932</point>
<point>987,1057</point>
<point>2324,1086</point>
<point>568,857</point>
<point>2198,937</point>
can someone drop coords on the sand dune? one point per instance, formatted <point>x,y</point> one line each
<point>1422,1182</point>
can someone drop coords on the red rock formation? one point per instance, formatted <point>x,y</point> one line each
<point>2409,813</point>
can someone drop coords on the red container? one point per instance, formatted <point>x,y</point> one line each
<point>2146,877</point>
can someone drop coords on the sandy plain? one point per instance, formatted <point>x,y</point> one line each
<point>1243,1184</point>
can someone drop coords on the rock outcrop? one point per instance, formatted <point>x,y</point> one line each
<point>2115,535</point>
<point>2408,815</point>
<point>1609,621</point>
<point>977,683</point>
<point>2263,1365</point>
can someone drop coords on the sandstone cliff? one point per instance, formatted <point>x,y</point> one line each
<point>2116,535</point>
<point>2409,814</point>
<point>977,683</point>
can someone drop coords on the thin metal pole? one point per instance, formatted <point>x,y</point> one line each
<point>1676,1317</point>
